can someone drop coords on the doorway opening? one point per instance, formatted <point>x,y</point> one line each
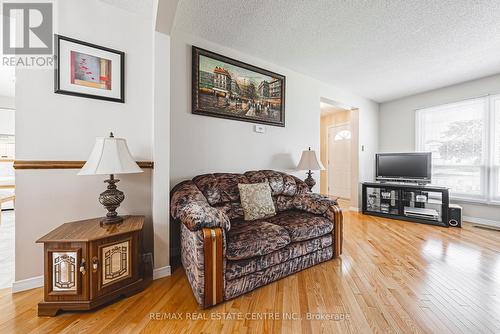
<point>338,152</point>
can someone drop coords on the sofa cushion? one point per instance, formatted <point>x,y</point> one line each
<point>256,200</point>
<point>283,203</point>
<point>257,238</point>
<point>220,188</point>
<point>302,225</point>
<point>280,183</point>
<point>233,210</point>
<point>239,286</point>
<point>240,268</point>
<point>190,207</point>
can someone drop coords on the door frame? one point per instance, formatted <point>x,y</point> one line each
<point>328,155</point>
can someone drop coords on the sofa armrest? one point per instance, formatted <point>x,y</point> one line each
<point>203,259</point>
<point>322,205</point>
<point>214,247</point>
<point>192,209</point>
<point>198,215</point>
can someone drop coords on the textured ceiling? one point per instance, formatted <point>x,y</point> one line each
<point>142,7</point>
<point>382,50</point>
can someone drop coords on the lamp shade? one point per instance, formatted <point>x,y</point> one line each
<point>110,156</point>
<point>309,161</point>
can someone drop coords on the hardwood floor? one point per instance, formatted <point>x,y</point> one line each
<point>6,248</point>
<point>394,276</point>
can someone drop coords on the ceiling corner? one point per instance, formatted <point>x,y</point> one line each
<point>165,14</point>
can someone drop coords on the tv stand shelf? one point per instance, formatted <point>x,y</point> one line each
<point>425,204</point>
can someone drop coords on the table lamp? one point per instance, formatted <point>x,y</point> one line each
<point>309,161</point>
<point>110,156</point>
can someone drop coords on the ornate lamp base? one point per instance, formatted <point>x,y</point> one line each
<point>310,181</point>
<point>111,199</point>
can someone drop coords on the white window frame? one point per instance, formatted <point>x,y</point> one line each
<point>494,171</point>
<point>489,174</point>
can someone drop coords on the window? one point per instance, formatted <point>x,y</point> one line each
<point>464,138</point>
<point>343,135</point>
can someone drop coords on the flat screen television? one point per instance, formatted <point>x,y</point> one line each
<point>404,167</point>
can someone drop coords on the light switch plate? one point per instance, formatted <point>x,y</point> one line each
<point>260,128</point>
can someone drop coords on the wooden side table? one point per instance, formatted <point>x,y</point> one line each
<point>88,264</point>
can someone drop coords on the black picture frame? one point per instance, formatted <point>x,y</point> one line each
<point>57,80</point>
<point>198,108</point>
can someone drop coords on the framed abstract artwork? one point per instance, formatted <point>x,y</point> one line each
<point>88,70</point>
<point>227,88</point>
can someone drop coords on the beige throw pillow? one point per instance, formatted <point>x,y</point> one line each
<point>256,200</point>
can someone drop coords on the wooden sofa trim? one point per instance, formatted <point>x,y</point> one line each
<point>212,244</point>
<point>338,230</point>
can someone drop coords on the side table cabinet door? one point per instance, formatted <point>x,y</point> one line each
<point>113,264</point>
<point>67,270</point>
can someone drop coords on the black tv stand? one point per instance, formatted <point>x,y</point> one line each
<point>403,182</point>
<point>425,204</point>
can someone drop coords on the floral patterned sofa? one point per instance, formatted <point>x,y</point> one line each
<point>225,256</point>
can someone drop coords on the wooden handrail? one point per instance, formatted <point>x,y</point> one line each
<point>51,164</point>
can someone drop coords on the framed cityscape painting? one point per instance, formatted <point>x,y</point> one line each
<point>88,70</point>
<point>227,88</point>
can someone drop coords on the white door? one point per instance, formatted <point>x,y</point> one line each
<point>339,161</point>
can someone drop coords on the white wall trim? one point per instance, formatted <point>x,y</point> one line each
<point>27,284</point>
<point>161,148</point>
<point>481,221</point>
<point>161,272</point>
<point>352,208</point>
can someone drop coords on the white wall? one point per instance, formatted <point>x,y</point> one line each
<point>7,102</point>
<point>201,144</point>
<point>397,125</point>
<point>59,127</point>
